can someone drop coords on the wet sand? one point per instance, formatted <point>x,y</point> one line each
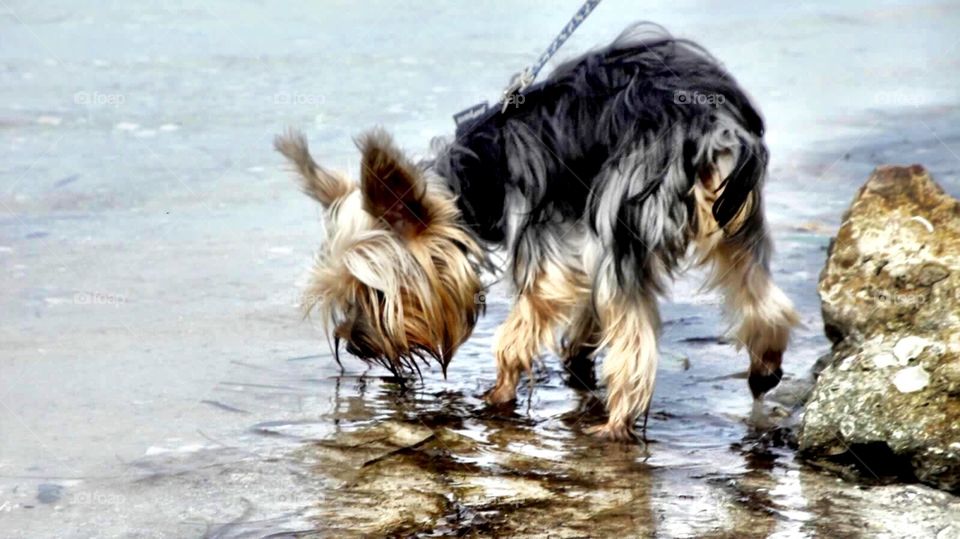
<point>157,379</point>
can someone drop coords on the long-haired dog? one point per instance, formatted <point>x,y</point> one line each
<point>596,187</point>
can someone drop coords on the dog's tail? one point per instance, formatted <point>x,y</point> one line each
<point>318,183</point>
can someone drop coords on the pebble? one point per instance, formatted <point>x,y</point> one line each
<point>49,492</point>
<point>911,379</point>
<point>908,348</point>
<point>884,360</point>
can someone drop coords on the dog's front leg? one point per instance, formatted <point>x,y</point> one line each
<point>579,346</point>
<point>630,328</point>
<point>545,304</point>
<point>518,342</point>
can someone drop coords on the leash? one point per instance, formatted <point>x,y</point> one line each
<point>521,81</point>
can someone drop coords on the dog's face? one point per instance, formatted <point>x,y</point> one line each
<point>397,277</point>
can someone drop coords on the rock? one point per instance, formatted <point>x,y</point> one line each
<point>889,398</point>
<point>479,490</point>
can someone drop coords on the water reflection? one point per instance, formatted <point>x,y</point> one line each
<point>529,468</point>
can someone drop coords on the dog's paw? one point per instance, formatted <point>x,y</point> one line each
<point>760,383</point>
<point>500,395</point>
<point>617,432</point>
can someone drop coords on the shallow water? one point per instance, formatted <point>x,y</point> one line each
<point>156,377</point>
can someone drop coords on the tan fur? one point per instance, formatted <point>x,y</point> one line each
<point>582,336</point>
<point>706,230</point>
<point>546,306</point>
<point>396,261</point>
<point>321,185</point>
<point>630,329</point>
<point>762,313</point>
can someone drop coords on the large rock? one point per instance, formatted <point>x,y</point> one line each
<point>889,399</point>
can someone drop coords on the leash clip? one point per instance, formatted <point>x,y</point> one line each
<point>520,82</point>
<point>513,93</point>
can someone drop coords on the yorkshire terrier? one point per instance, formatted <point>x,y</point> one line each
<point>596,186</point>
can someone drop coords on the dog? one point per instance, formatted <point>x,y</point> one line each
<point>597,186</point>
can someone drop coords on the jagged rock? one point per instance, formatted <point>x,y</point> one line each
<point>889,400</point>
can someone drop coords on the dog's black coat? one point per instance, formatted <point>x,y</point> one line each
<point>615,139</point>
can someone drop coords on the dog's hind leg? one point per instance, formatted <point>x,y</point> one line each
<point>762,313</point>
<point>630,326</point>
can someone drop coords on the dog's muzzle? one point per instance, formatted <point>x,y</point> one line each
<point>359,341</point>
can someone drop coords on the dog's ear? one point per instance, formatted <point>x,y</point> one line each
<point>322,185</point>
<point>393,188</point>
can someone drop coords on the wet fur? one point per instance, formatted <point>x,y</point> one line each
<point>398,275</point>
<point>597,186</point>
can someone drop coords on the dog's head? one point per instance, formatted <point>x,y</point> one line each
<point>397,277</point>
